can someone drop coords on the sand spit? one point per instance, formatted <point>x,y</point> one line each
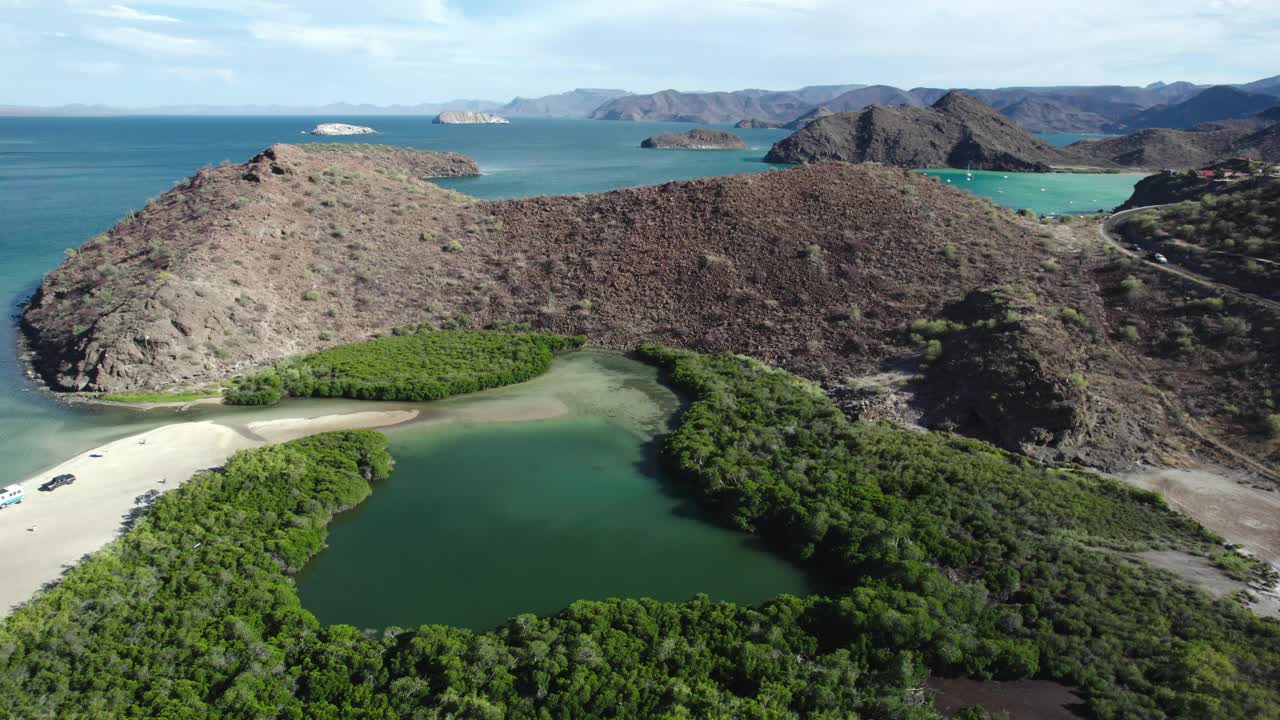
<point>51,531</point>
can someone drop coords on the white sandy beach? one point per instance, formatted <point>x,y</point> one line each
<point>50,531</point>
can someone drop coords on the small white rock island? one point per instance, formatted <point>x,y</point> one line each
<point>462,117</point>
<point>342,129</point>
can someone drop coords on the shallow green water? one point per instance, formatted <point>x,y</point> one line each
<point>1045,193</point>
<point>483,520</point>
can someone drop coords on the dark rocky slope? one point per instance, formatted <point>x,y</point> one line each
<point>1181,149</point>
<point>1174,186</point>
<point>957,131</point>
<point>695,139</point>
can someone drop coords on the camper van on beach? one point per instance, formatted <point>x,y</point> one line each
<point>11,495</point>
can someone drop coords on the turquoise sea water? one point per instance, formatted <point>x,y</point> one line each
<point>1058,193</point>
<point>62,180</point>
<point>1063,139</point>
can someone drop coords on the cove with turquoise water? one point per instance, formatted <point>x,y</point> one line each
<point>483,519</point>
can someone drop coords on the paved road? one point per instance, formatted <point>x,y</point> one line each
<point>1107,231</point>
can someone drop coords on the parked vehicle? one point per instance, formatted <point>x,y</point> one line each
<point>58,482</point>
<point>10,495</point>
<point>1159,259</point>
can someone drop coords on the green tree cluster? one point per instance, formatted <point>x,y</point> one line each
<point>417,365</point>
<point>935,554</point>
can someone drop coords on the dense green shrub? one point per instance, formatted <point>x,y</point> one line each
<point>1006,555</point>
<point>412,365</point>
<point>1243,219</point>
<point>935,553</point>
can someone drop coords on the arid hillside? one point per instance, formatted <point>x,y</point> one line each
<point>302,248</point>
<point>956,131</point>
<point>832,270</point>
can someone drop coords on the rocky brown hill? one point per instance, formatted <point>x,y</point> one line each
<point>309,246</point>
<point>957,131</point>
<point>1181,149</point>
<point>756,123</point>
<point>695,139</point>
<point>831,270</point>
<point>1044,114</point>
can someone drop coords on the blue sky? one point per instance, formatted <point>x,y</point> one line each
<point>138,53</point>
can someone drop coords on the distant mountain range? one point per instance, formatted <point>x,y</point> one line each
<point>1069,109</point>
<point>1099,109</point>
<point>1213,105</point>
<point>575,103</point>
<point>719,107</point>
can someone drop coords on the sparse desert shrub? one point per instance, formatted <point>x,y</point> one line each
<point>1049,265</point>
<point>1129,332</point>
<point>584,304</point>
<point>1131,284</point>
<point>933,350</point>
<point>1235,326</point>
<point>1071,316</point>
<point>453,246</point>
<point>107,270</point>
<point>311,295</point>
<point>1273,425</point>
<point>1078,381</point>
<point>931,329</point>
<point>1209,304</point>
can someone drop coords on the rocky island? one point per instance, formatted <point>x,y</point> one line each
<point>463,117</point>
<point>695,139</point>
<point>342,129</point>
<point>958,131</point>
<point>758,124</point>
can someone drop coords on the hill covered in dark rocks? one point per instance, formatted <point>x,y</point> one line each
<point>956,131</point>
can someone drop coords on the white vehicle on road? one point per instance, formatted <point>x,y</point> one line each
<point>10,495</point>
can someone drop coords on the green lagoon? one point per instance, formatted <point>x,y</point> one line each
<point>484,519</point>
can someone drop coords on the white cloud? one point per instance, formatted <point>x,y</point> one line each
<point>129,38</point>
<point>124,12</point>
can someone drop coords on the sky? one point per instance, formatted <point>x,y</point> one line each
<point>137,53</point>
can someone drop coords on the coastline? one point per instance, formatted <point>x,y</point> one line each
<point>79,519</point>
